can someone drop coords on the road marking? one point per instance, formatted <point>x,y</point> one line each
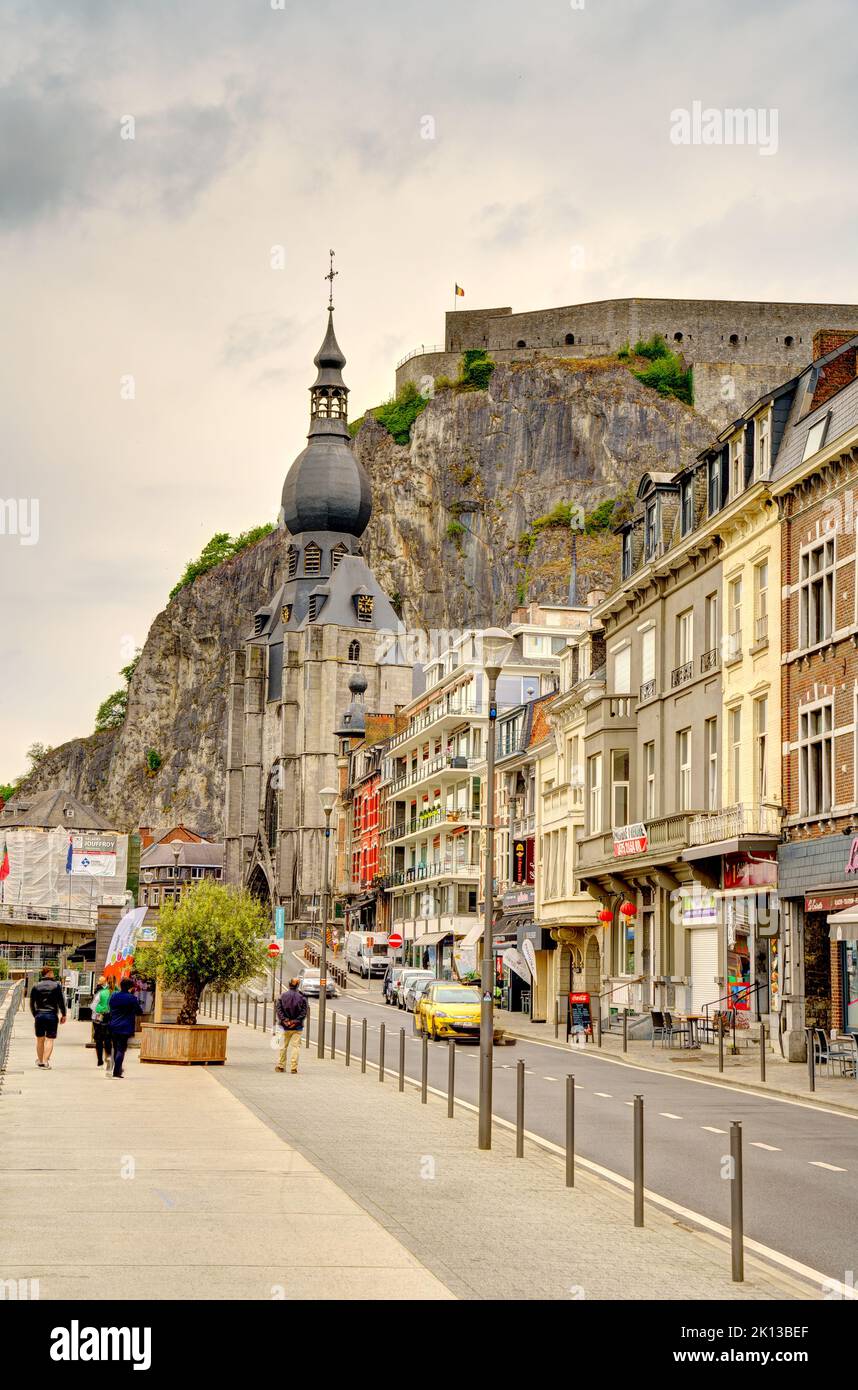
<point>628,1102</point>
<point>606,1095</point>
<point>549,1078</point>
<point>831,1167</point>
<point>669,1115</point>
<point>770,1148</point>
<point>712,1129</point>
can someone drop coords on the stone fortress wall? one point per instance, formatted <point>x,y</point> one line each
<point>737,349</point>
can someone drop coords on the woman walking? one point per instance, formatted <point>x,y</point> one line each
<point>101,1025</point>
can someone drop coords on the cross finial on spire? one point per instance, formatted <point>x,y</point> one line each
<point>331,275</point>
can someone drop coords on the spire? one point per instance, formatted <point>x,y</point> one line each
<point>329,393</point>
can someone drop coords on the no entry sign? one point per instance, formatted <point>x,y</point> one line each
<point>274,948</point>
<point>394,941</point>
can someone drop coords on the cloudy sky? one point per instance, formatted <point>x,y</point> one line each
<point>144,264</point>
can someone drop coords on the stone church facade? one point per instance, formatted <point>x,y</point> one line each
<point>290,684</point>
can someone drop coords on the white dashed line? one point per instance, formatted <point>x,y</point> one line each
<point>831,1167</point>
<point>549,1078</point>
<point>713,1130</point>
<point>770,1148</point>
<point>669,1115</point>
<point>606,1095</point>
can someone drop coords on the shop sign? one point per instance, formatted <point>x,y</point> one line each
<point>852,861</point>
<point>829,902</point>
<point>699,909</point>
<point>519,897</point>
<point>751,870</point>
<point>529,955</point>
<point>630,839</point>
<point>523,861</point>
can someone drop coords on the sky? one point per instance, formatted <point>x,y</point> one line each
<point>174,172</point>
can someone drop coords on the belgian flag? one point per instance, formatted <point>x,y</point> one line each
<point>460,291</point>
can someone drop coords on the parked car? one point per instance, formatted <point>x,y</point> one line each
<point>415,991</point>
<point>448,1010</point>
<point>405,980</point>
<point>366,953</point>
<point>389,983</point>
<point>310,984</point>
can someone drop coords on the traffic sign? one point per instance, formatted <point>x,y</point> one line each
<point>394,941</point>
<point>274,948</point>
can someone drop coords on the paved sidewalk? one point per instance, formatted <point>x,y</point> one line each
<point>168,1187</point>
<point>487,1224</point>
<point>782,1078</point>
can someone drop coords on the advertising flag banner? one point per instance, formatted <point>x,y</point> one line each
<point>120,955</point>
<point>514,960</point>
<point>93,853</point>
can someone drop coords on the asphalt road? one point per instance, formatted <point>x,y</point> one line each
<point>800,1162</point>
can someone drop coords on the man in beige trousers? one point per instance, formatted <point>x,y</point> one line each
<point>291,1010</point>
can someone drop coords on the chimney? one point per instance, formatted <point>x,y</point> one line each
<point>840,370</point>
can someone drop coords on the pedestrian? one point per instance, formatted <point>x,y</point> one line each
<point>101,1025</point>
<point>291,1009</point>
<point>124,1009</point>
<point>48,1007</point>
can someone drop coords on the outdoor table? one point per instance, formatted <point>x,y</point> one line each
<point>692,1020</point>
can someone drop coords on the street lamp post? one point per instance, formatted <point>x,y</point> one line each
<point>496,648</point>
<point>328,797</point>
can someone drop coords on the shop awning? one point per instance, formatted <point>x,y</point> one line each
<point>472,936</point>
<point>431,938</point>
<point>843,926</point>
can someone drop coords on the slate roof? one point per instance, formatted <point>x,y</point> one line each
<point>50,808</point>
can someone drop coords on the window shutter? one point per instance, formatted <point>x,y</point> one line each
<point>623,671</point>
<point>648,656</point>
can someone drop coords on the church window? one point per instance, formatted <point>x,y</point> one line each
<point>337,554</point>
<point>272,811</point>
<point>292,554</point>
<point>363,607</point>
<point>312,558</point>
<point>354,651</point>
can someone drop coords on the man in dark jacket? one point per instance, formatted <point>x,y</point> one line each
<point>291,1009</point>
<point>124,1008</point>
<point>48,1007</point>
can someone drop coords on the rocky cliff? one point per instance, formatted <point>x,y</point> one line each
<point>452,538</point>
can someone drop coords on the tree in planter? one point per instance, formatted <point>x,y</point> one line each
<point>215,937</point>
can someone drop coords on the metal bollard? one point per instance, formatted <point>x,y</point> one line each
<point>762,1052</point>
<point>737,1220</point>
<point>363,1045</point>
<point>599,1023</point>
<point>625,1030</point>
<point>348,1039</point>
<point>402,1059</point>
<point>230,1007</point>
<point>255,1012</point>
<point>381,1052</point>
<point>424,1069</point>
<point>570,1131</point>
<point>333,1036</point>
<point>639,1161</point>
<point>309,1025</point>
<point>720,1043</point>
<point>247,1010</point>
<point>451,1078</point>
<point>556,1019</point>
<point>265,1015</point>
<point>811,1060</point>
<point>519,1110</point>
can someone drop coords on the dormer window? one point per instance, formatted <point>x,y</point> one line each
<point>312,558</point>
<point>292,555</point>
<point>764,446</point>
<point>316,604</point>
<point>627,554</point>
<point>737,466</point>
<point>717,482</point>
<point>364,604</point>
<point>259,621</point>
<point>337,554</point>
<point>651,534</point>
<point>686,494</point>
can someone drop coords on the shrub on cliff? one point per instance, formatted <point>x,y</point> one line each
<point>476,370</point>
<point>222,546</point>
<point>665,373</point>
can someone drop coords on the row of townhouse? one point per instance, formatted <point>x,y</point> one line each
<point>676,796</point>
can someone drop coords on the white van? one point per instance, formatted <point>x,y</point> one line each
<point>366,953</point>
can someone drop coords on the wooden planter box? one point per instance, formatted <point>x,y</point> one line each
<point>184,1043</point>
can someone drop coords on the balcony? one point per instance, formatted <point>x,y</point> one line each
<point>611,712</point>
<point>429,768</point>
<point>761,630</point>
<point>647,691</point>
<point>438,712</point>
<point>524,826</point>
<point>733,822</point>
<point>733,647</point>
<point>665,838</point>
<point>680,675</point>
<point>439,868</point>
<point>427,820</point>
<point>710,661</point>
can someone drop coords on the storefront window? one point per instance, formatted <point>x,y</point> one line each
<point>629,944</point>
<point>850,985</point>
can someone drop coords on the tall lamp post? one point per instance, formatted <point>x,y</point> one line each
<point>328,797</point>
<point>497,645</point>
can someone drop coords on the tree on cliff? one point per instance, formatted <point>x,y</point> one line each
<point>215,937</point>
<point>112,711</point>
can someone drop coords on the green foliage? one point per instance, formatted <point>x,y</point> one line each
<point>444,383</point>
<point>354,425</point>
<point>624,353</point>
<point>8,790</point>
<point>600,518</point>
<point>666,376</point>
<point>214,937</point>
<point>112,711</point>
<point>399,413</point>
<point>222,546</point>
<point>455,530</point>
<point>4,968</point>
<point>36,753</point>
<point>652,348</point>
<point>153,761</point>
<point>476,370</point>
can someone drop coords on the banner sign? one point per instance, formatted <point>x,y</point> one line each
<point>121,952</point>
<point>91,853</point>
<point>699,908</point>
<point>279,923</point>
<point>529,955</point>
<point>514,960</point>
<point>630,839</point>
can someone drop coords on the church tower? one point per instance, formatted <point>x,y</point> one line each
<point>328,622</point>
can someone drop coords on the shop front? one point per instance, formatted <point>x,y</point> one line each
<point>819,893</point>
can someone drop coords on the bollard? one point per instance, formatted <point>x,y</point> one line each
<point>333,1036</point>
<point>639,1161</point>
<point>762,1052</point>
<point>255,1012</point>
<point>230,1007</point>
<point>309,1022</point>
<point>720,1043</point>
<point>265,1015</point>
<point>811,1061</point>
<point>734,1050</point>
<point>402,1059</point>
<point>348,1039</point>
<point>363,1045</point>
<point>247,1010</point>
<point>599,1023</point>
<point>570,1131</point>
<point>556,1019</point>
<point>381,1052</point>
<point>519,1110</point>
<point>737,1235</point>
<point>451,1078</point>
<point>424,1068</point>
<point>625,1030</point>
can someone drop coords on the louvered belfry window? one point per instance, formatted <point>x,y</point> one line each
<point>337,554</point>
<point>312,558</point>
<point>293,560</point>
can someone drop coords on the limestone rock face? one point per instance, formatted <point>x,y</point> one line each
<point>448,538</point>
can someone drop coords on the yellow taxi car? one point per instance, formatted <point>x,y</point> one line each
<point>448,1010</point>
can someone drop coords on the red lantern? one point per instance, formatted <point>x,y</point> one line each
<point>606,915</point>
<point>628,909</point>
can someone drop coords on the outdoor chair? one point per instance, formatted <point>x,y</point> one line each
<point>659,1027</point>
<point>673,1031</point>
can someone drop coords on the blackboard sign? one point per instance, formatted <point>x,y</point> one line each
<point>578,1019</point>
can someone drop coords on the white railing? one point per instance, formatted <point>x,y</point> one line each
<point>420,352</point>
<point>433,767</point>
<point>53,916</point>
<point>441,709</point>
<point>741,819</point>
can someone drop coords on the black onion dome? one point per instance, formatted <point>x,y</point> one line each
<point>327,489</point>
